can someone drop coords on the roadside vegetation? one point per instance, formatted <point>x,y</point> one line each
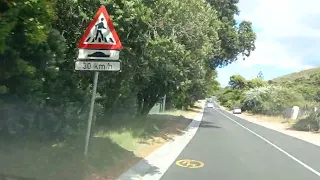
<point>276,97</point>
<point>171,47</point>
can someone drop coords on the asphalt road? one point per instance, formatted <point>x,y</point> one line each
<point>235,149</point>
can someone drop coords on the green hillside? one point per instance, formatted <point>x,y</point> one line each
<point>306,82</point>
<point>305,74</point>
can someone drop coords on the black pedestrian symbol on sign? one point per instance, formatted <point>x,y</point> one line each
<point>99,37</point>
<point>100,26</point>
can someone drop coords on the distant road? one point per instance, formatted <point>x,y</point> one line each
<point>234,149</point>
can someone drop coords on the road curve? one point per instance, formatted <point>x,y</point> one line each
<point>231,148</point>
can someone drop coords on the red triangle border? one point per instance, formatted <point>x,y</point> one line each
<point>117,46</point>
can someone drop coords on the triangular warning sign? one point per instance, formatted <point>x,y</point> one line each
<point>100,33</point>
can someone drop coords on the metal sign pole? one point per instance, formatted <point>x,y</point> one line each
<point>94,91</point>
<point>164,103</point>
<point>94,56</point>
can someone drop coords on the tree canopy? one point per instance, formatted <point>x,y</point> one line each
<point>171,47</point>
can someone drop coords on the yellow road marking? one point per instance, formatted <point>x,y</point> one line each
<point>188,163</point>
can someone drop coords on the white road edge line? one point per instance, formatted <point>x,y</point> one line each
<point>277,130</point>
<point>275,146</point>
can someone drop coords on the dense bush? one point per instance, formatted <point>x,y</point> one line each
<point>277,97</point>
<point>258,96</point>
<point>271,100</point>
<point>233,94</point>
<point>310,123</point>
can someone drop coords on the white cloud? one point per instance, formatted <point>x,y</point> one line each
<point>288,38</point>
<point>281,18</point>
<point>271,53</point>
<point>276,20</point>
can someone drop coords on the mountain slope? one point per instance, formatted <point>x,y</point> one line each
<point>305,74</point>
<point>306,82</point>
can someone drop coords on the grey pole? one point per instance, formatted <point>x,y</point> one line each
<point>94,91</point>
<point>164,103</point>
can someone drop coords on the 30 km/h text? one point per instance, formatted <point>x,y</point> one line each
<point>97,66</point>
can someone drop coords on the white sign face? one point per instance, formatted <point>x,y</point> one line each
<point>98,65</point>
<point>100,33</point>
<point>98,54</point>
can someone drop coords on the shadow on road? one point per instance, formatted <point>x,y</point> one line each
<point>203,124</point>
<point>206,124</point>
<point>142,168</point>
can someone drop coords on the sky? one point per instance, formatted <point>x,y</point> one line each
<point>288,38</point>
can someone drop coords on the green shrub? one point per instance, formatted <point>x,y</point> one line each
<point>271,100</point>
<point>310,123</point>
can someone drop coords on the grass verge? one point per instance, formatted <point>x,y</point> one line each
<point>113,149</point>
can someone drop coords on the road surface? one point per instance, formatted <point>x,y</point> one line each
<point>230,148</point>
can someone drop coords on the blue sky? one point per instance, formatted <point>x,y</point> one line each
<point>288,38</point>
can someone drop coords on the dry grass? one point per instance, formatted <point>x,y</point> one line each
<point>273,122</point>
<point>273,119</point>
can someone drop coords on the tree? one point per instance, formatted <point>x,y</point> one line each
<point>235,39</point>
<point>256,82</point>
<point>171,56</point>
<point>238,82</point>
<point>167,50</point>
<point>260,75</point>
<point>30,50</point>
